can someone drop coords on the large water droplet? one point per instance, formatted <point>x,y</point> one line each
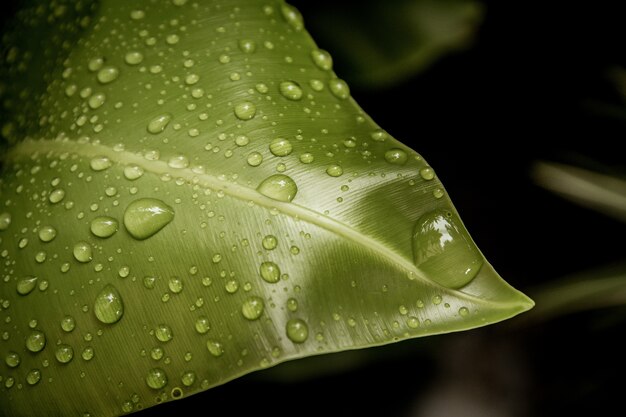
<point>270,242</point>
<point>82,252</point>
<point>26,285</point>
<point>215,348</point>
<point>202,325</point>
<point>164,333</point>
<point>270,272</point>
<point>68,324</point>
<point>245,110</point>
<point>133,172</point>
<point>36,341</point>
<point>322,59</point>
<point>254,159</point>
<point>252,308</point>
<point>339,88</point>
<point>133,58</point>
<point>108,306</point>
<point>33,377</point>
<point>292,16</point>
<point>396,156</point>
<point>64,353</point>
<point>156,378</point>
<point>278,187</point>
<point>334,170</point>
<point>100,163</point>
<point>12,359</point>
<point>281,147</point>
<point>297,330</point>
<point>188,378</point>
<point>443,249</point>
<point>146,216</point>
<point>159,123</point>
<point>104,226</point>
<point>291,90</point>
<point>108,74</point>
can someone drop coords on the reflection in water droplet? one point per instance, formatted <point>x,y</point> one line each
<point>202,325</point>
<point>215,348</point>
<point>427,173</point>
<point>164,333</point>
<point>307,158</point>
<point>254,159</point>
<point>291,90</point>
<point>68,324</point>
<point>35,341</point>
<point>252,308</point>
<point>26,285</point>
<point>12,359</point>
<point>281,147</point>
<point>270,242</point>
<point>64,353</point>
<point>334,170</point>
<point>104,226</point>
<point>396,156</point>
<point>108,305</point>
<point>146,216</point>
<point>159,123</point>
<point>278,187</point>
<point>245,110</point>
<point>87,353</point>
<point>156,378</point>
<point>47,233</point>
<point>82,252</point>
<point>33,377</point>
<point>297,330</point>
<point>443,249</point>
<point>133,172</point>
<point>270,272</point>
<point>188,378</point>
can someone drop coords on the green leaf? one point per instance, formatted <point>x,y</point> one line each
<point>198,197</point>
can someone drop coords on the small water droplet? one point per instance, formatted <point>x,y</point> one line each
<point>108,305</point>
<point>64,353</point>
<point>247,46</point>
<point>175,285</point>
<point>56,195</point>
<point>427,173</point>
<point>164,333</point>
<point>270,242</point>
<point>202,325</point>
<point>270,272</point>
<point>437,193</point>
<point>159,123</point>
<point>252,308</point>
<point>97,100</point>
<point>292,305</point>
<point>146,216</point>
<point>291,90</point>
<point>316,85</point>
<point>12,359</point>
<point>156,378</point>
<point>33,377</point>
<point>437,299</point>
<point>82,252</point>
<point>297,330</point>
<point>339,88</point>
<point>5,220</point>
<point>443,249</point>
<point>463,311</point>
<point>104,226</point>
<point>396,156</point>
<point>188,378</point>
<point>292,16</point>
<point>35,341</point>
<point>245,110</point>
<point>242,140</point>
<point>100,163</point>
<point>133,172</point>
<point>133,58</point>
<point>412,322</point>
<point>255,159</point>
<point>379,135</point>
<point>26,285</point>
<point>307,158</point>
<point>108,74</point>
<point>278,187</point>
<point>87,353</point>
<point>68,324</point>
<point>215,348</point>
<point>322,59</point>
<point>281,147</point>
<point>334,170</point>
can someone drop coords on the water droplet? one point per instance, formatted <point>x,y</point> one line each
<point>26,285</point>
<point>231,286</point>
<point>379,135</point>
<point>164,333</point>
<point>252,308</point>
<point>97,100</point>
<point>157,353</point>
<point>322,59</point>
<point>281,147</point>
<point>334,170</point>
<point>245,110</point>
<point>255,159</point>
<point>443,249</point>
<point>87,353</point>
<point>202,325</point>
<point>270,242</point>
<point>247,46</point>
<point>412,322</point>
<point>100,163</point>
<point>437,299</point>
<point>307,158</point>
<point>68,324</point>
<point>427,173</point>
<point>12,359</point>
<point>133,58</point>
<point>242,140</point>
<point>278,187</point>
<point>297,330</point>
<point>192,79</point>
<point>36,341</point>
<point>339,88</point>
<point>294,250</point>
<point>56,196</point>
<point>316,85</point>
<point>292,16</point>
<point>82,252</point>
<point>188,378</point>
<point>463,311</point>
<point>292,305</point>
<point>291,90</point>
<point>270,272</point>
<point>175,285</point>
<point>33,377</point>
<point>64,353</point>
<point>104,226</point>
<point>146,216</point>
<point>108,306</point>
<point>215,348</point>
<point>437,193</point>
<point>159,123</point>
<point>133,172</point>
<point>156,378</point>
<point>5,220</point>
<point>396,156</point>
<point>108,74</point>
